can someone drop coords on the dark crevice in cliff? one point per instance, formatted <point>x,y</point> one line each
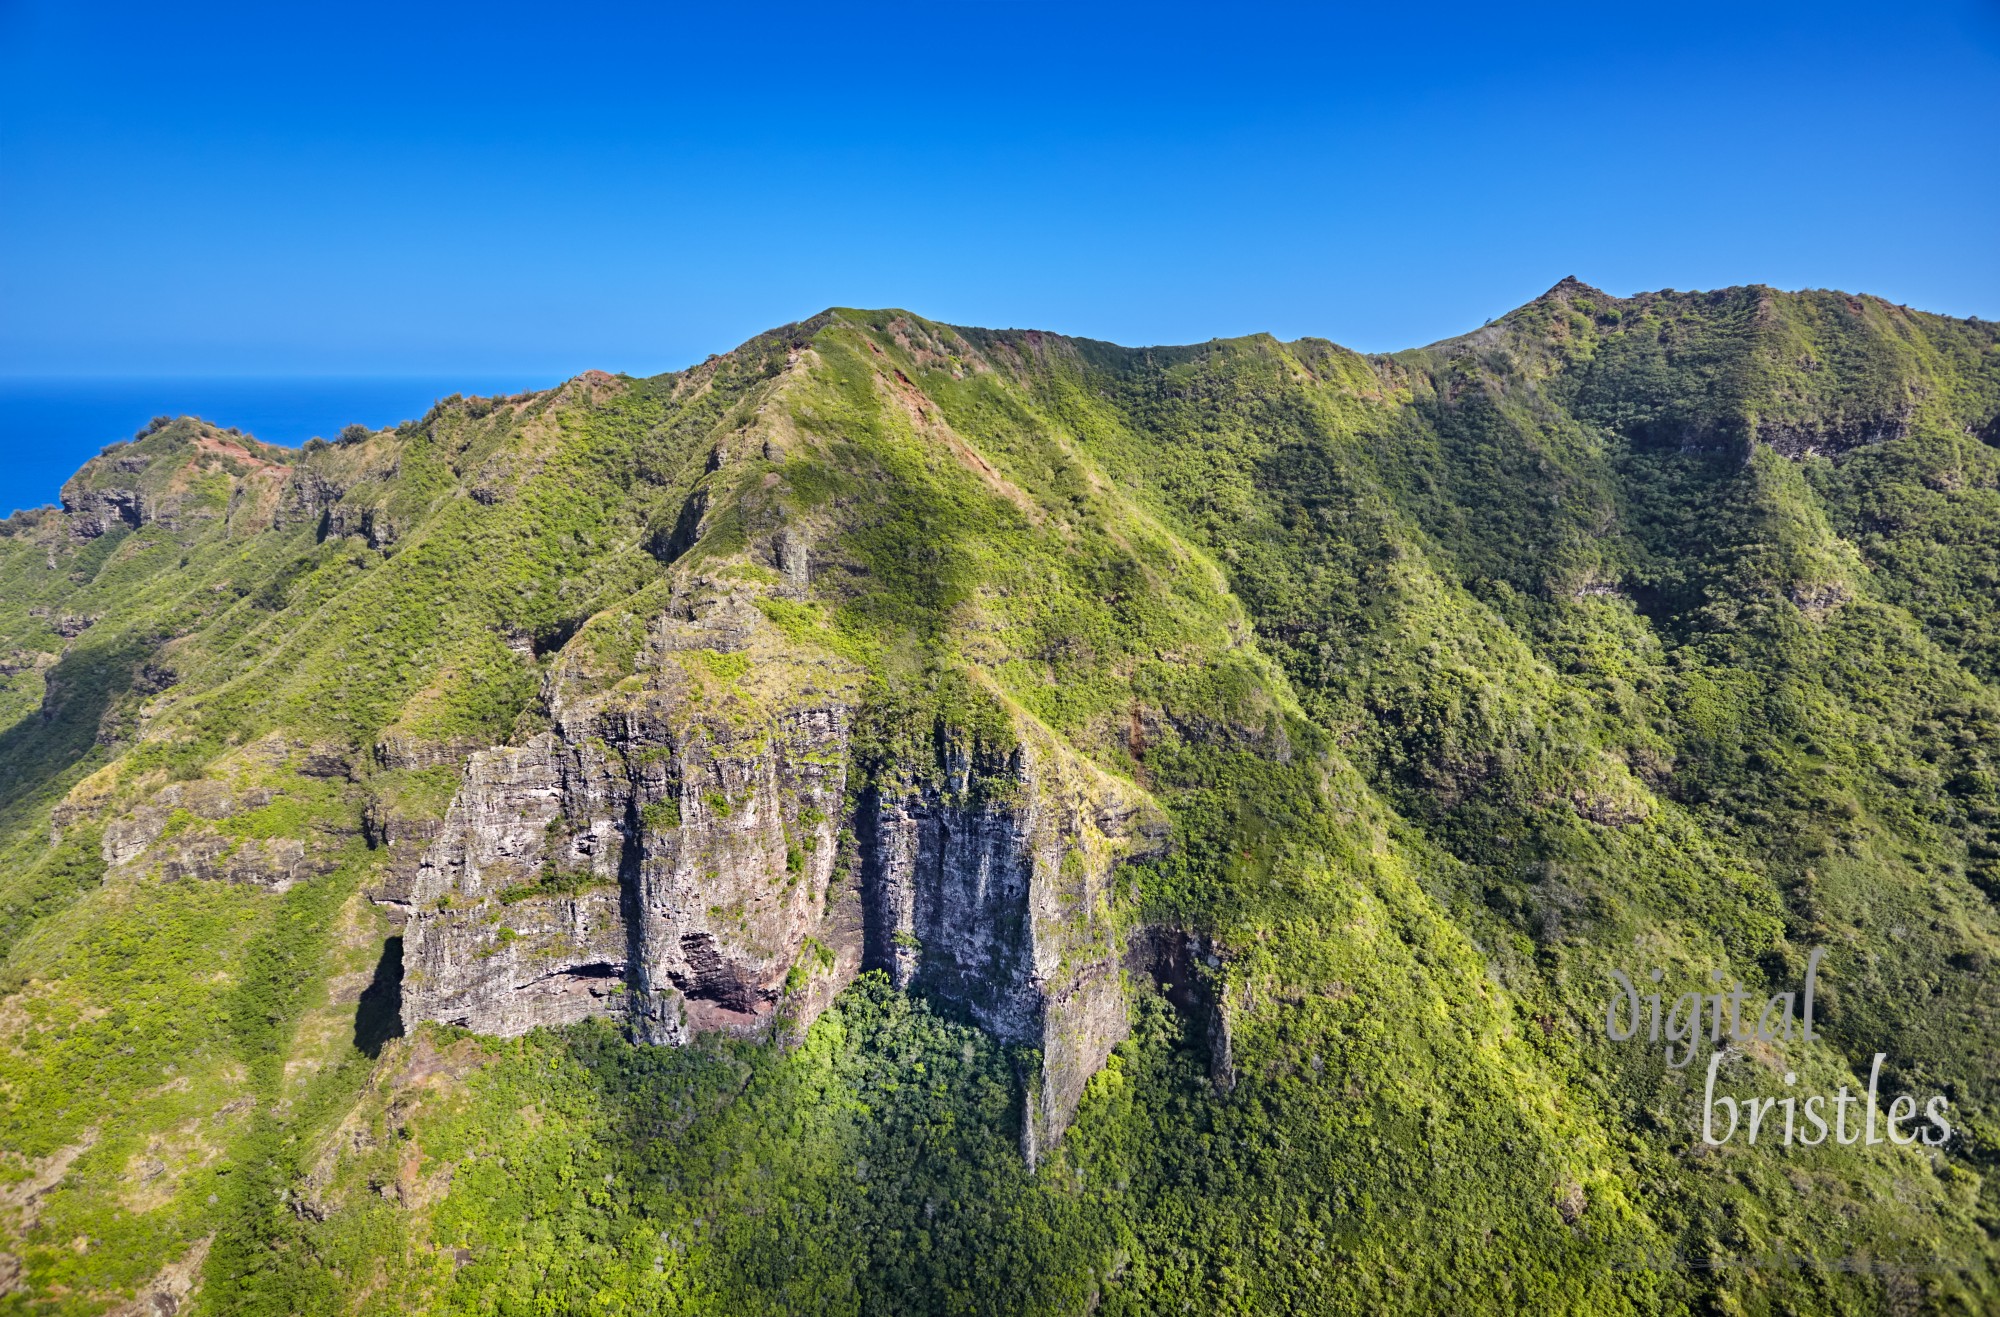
<point>630,857</point>
<point>668,544</point>
<point>1167,956</point>
<point>1174,960</point>
<point>548,639</point>
<point>878,917</point>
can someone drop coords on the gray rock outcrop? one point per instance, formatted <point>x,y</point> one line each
<point>181,834</point>
<point>95,512</point>
<point>669,847</point>
<point>671,856</point>
<point>986,882</point>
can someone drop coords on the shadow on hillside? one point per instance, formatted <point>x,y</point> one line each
<point>378,1016</point>
<point>41,748</point>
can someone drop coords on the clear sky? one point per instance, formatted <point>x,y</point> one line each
<point>419,188</point>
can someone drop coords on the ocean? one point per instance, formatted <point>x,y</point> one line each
<point>50,427</point>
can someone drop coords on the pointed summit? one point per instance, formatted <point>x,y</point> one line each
<point>1571,286</point>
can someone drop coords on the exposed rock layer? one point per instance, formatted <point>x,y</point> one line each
<point>672,863</point>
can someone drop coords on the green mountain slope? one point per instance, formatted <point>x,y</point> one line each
<point>1121,830</point>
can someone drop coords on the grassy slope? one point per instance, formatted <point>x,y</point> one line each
<point>1464,675</point>
<point>1519,621</point>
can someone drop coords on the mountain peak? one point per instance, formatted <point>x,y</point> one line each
<point>1570,286</point>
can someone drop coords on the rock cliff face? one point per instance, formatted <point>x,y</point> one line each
<point>655,857</point>
<point>986,882</point>
<point>671,857</point>
<point>95,512</point>
<point>176,835</point>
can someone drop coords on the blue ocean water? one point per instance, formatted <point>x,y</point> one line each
<point>50,427</point>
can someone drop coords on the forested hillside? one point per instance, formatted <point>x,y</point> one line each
<point>902,818</point>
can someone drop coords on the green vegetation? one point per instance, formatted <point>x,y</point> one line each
<point>551,882</point>
<point>1659,632</point>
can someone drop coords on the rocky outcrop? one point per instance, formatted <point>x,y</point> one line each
<point>986,881</point>
<point>1830,435</point>
<point>398,751</point>
<point>668,862</point>
<point>662,855</point>
<point>15,662</point>
<point>371,524</point>
<point>95,512</point>
<point>182,833</point>
<point>667,856</point>
<point>306,498</point>
<point>1188,970</point>
<point>273,862</point>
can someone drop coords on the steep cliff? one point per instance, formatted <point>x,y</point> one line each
<point>667,856</point>
<point>663,854</point>
<point>988,879</point>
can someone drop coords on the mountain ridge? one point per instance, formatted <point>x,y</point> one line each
<point>1223,773</point>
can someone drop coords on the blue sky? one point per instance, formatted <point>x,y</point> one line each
<point>428,189</point>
